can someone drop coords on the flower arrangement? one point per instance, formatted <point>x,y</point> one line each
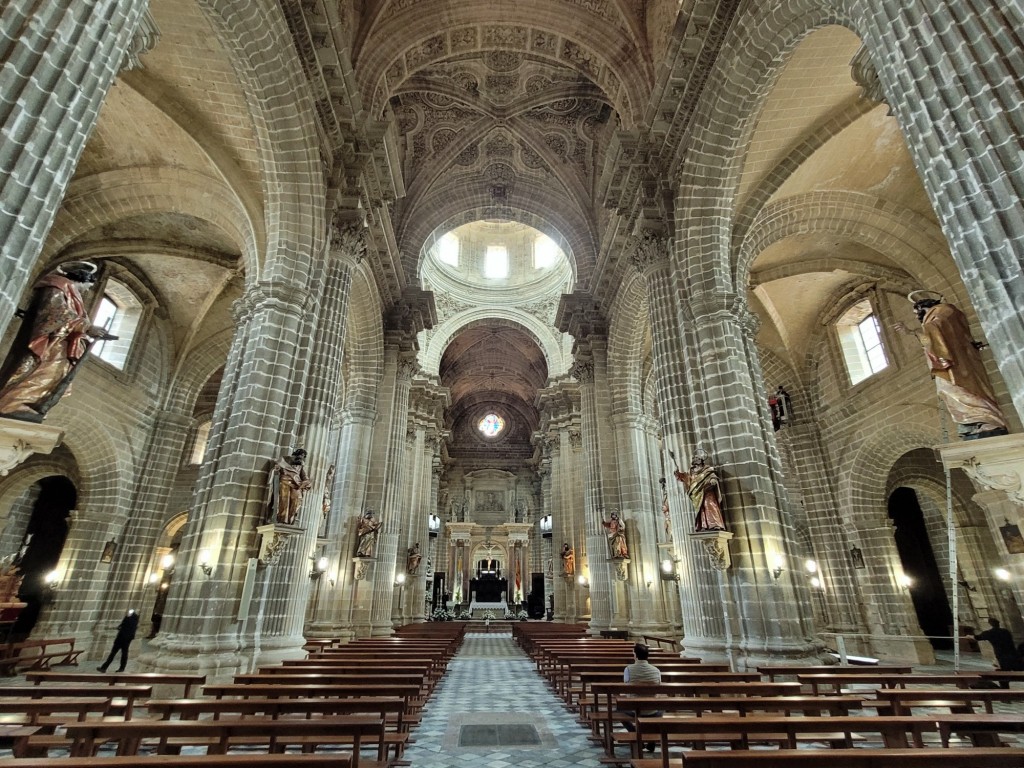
<point>509,614</point>
<point>488,615</point>
<point>441,614</point>
<point>522,615</point>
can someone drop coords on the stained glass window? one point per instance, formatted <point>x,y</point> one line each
<point>491,425</point>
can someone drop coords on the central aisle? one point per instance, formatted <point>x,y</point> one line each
<point>491,683</point>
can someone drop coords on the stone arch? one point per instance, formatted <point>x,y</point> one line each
<point>113,195</point>
<point>196,369</point>
<point>750,62</point>
<point>363,362</point>
<point>569,225</point>
<point>441,337</point>
<point>877,224</point>
<point>257,39</point>
<point>406,42</point>
<point>626,333</point>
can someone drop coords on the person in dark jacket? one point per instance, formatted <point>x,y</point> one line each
<point>1004,648</point>
<point>125,634</point>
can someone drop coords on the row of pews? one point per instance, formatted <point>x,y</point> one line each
<point>344,705</point>
<point>714,717</point>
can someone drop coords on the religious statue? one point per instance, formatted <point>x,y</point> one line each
<point>413,558</point>
<point>616,536</point>
<point>568,559</point>
<point>288,483</point>
<point>367,533</point>
<point>782,408</point>
<point>705,492</point>
<point>50,345</point>
<point>956,365</point>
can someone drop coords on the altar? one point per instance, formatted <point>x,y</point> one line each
<point>488,589</point>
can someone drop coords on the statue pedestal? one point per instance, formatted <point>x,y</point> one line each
<point>997,463</point>
<point>273,537</point>
<point>20,439</point>
<point>716,545</point>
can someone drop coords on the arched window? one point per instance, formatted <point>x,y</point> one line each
<point>448,249</point>
<point>199,444</point>
<point>545,252</point>
<point>119,312</point>
<point>860,338</point>
<point>496,262</point>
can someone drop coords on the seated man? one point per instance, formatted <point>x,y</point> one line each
<point>640,671</point>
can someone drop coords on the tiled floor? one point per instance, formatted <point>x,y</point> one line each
<point>491,682</point>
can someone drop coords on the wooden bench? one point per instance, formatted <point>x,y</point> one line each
<point>900,701</point>
<point>789,670</point>
<point>122,697</point>
<point>217,736</point>
<point>38,654</point>
<point>836,681</point>
<point>391,709</point>
<point>187,681</point>
<point>982,730</point>
<point>610,701</point>
<point>290,760</point>
<point>914,757</point>
<point>785,731</point>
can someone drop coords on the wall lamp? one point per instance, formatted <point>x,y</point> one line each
<point>400,580</point>
<point>1002,574</point>
<point>583,581</point>
<point>668,570</point>
<point>905,581</point>
<point>204,563</point>
<point>319,568</point>
<point>779,567</point>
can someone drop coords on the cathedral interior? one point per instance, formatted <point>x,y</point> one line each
<point>502,270</point>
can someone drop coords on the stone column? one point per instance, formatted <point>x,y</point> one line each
<point>953,77</point>
<point>700,589</point>
<point>769,614</point>
<point>413,314</point>
<point>337,596</point>
<point>580,317</point>
<point>58,60</point>
<point>205,626</point>
<point>639,491</point>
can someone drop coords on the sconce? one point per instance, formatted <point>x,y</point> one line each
<point>1002,574</point>
<point>50,586</point>
<point>818,583</point>
<point>400,580</point>
<point>167,563</point>
<point>583,581</point>
<point>811,566</point>
<point>668,570</point>
<point>779,567</point>
<point>204,563</point>
<point>905,582</point>
<point>319,568</point>
<point>152,579</point>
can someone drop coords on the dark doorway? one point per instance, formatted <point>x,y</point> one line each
<point>927,591</point>
<point>48,528</point>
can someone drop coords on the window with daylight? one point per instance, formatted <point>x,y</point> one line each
<point>545,252</point>
<point>118,311</point>
<point>860,337</point>
<point>448,249</point>
<point>199,445</point>
<point>491,425</point>
<point>496,262</point>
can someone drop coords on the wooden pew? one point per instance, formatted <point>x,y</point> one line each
<point>979,728</point>
<point>391,709</point>
<point>836,681</point>
<point>784,731</point>
<point>914,757</point>
<point>788,670</point>
<point>122,697</point>
<point>290,760</point>
<point>186,680</point>
<point>218,736</point>
<point>38,654</point>
<point>608,698</point>
<point>900,701</point>
<point>587,680</point>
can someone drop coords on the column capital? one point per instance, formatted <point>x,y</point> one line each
<point>347,239</point>
<point>412,313</point>
<point>649,251</point>
<point>282,296</point>
<point>582,370</point>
